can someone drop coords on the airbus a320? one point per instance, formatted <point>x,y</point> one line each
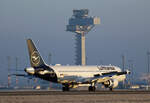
<point>73,76</point>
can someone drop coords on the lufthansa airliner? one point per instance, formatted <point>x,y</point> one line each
<point>73,76</point>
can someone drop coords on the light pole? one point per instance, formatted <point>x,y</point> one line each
<point>9,79</point>
<point>123,62</point>
<point>49,58</point>
<point>148,65</point>
<point>131,69</point>
<point>123,67</point>
<point>16,71</point>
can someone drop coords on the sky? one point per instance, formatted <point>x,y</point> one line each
<point>124,30</point>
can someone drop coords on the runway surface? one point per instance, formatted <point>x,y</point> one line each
<point>75,97</point>
<point>40,92</point>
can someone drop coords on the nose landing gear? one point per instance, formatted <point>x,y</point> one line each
<point>65,88</point>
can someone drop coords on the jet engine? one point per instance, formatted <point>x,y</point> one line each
<point>112,83</point>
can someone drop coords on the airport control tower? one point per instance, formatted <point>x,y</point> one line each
<point>80,23</point>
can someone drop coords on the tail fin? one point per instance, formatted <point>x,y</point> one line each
<point>35,58</point>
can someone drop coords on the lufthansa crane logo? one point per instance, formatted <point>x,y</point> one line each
<point>35,58</point>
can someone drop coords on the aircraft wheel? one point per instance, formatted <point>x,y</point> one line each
<point>111,89</point>
<point>65,88</point>
<point>92,88</point>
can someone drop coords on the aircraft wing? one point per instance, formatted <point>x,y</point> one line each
<point>103,77</point>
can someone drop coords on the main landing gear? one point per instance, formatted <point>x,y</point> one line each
<point>111,89</point>
<point>92,88</point>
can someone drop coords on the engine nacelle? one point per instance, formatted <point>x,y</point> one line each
<point>30,70</point>
<point>112,83</point>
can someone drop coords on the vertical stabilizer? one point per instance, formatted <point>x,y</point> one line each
<point>35,58</point>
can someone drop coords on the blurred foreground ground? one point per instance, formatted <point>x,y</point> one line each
<point>72,97</point>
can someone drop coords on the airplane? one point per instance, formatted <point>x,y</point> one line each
<point>73,76</point>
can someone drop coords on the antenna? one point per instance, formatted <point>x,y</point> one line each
<point>80,23</point>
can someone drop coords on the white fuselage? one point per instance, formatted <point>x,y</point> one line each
<point>85,71</point>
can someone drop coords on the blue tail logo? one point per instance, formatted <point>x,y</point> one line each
<point>35,58</point>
